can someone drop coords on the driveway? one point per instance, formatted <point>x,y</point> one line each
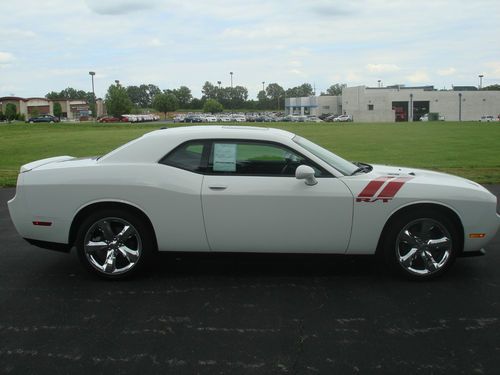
<point>241,314</point>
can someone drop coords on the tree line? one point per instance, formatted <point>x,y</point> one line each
<point>215,98</point>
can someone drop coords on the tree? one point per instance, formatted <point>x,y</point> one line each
<point>491,88</point>
<point>301,91</point>
<point>57,110</point>
<point>70,93</point>
<point>117,101</point>
<point>209,91</point>
<point>183,93</point>
<point>212,106</point>
<point>196,103</point>
<point>238,95</point>
<point>152,91</point>
<point>276,94</point>
<point>334,90</point>
<point>165,102</point>
<point>52,95</point>
<point>10,112</point>
<point>263,100</point>
<point>136,95</point>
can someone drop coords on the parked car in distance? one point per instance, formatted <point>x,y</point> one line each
<point>247,189</point>
<point>43,118</point>
<point>488,119</point>
<point>343,118</point>
<point>107,119</point>
<point>425,117</point>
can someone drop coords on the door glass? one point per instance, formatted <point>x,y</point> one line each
<point>254,159</point>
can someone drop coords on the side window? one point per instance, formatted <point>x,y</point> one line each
<point>254,159</point>
<point>187,156</point>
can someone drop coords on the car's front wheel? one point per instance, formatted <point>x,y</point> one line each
<point>114,243</point>
<point>421,244</point>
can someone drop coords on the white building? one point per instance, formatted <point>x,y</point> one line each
<point>313,105</point>
<point>400,103</point>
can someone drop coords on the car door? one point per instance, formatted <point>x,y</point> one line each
<point>252,201</point>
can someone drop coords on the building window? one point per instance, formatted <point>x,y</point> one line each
<point>370,107</point>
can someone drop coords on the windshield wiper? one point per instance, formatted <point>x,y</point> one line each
<point>362,167</point>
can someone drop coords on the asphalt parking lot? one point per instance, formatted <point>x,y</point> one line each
<point>241,314</point>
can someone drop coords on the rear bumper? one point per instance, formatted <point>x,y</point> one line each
<point>61,247</point>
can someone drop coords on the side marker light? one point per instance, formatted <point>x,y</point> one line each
<point>42,223</point>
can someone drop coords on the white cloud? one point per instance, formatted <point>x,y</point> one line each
<point>6,58</point>
<point>171,43</point>
<point>447,71</point>
<point>420,76</point>
<point>119,7</point>
<point>155,42</point>
<point>382,68</point>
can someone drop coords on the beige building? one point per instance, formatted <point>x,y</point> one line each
<point>400,103</point>
<point>71,109</point>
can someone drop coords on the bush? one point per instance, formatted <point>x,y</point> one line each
<point>212,106</point>
<point>21,117</point>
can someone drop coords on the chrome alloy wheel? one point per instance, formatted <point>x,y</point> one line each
<point>112,246</point>
<point>423,246</point>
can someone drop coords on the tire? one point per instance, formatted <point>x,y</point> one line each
<point>114,243</point>
<point>421,244</point>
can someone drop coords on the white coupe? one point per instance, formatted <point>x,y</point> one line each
<point>247,189</point>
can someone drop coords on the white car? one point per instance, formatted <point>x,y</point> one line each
<point>247,189</point>
<point>210,118</point>
<point>343,118</point>
<point>488,119</point>
<point>425,117</point>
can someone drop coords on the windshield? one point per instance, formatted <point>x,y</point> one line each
<point>343,166</point>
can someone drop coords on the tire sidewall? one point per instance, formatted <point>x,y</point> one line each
<point>403,219</point>
<point>142,229</point>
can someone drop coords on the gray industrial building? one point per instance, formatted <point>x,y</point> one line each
<point>400,103</point>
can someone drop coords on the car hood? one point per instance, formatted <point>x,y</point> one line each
<point>423,176</point>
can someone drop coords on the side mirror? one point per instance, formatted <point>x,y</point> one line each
<point>305,172</point>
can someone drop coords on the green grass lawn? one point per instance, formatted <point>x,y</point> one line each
<point>468,149</point>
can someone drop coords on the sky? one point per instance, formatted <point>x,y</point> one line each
<point>53,44</point>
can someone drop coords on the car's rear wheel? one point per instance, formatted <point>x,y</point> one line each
<point>114,243</point>
<point>421,244</point>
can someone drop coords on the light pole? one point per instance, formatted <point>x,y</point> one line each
<point>379,83</point>
<point>92,74</point>
<point>219,82</point>
<point>263,82</point>
<point>231,74</point>
<point>459,106</point>
<point>481,81</point>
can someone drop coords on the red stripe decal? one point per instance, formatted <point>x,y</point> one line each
<point>393,187</point>
<point>373,187</point>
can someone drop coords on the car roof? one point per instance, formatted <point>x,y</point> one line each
<point>154,145</point>
<point>221,131</point>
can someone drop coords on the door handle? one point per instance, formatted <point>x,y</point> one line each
<point>217,187</point>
